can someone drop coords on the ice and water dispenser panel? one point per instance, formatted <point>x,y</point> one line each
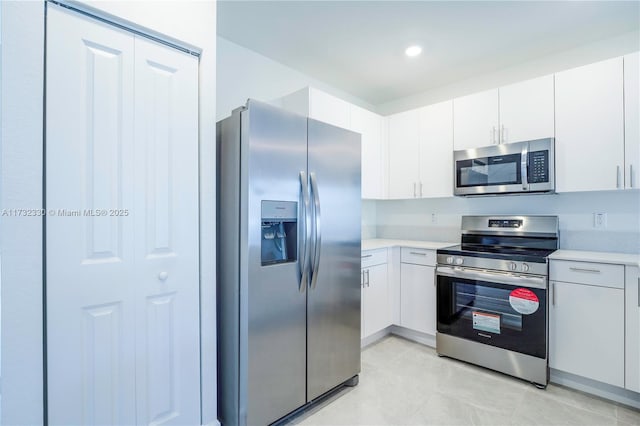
<point>279,232</point>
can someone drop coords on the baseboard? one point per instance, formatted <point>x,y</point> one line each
<point>212,423</point>
<point>369,340</point>
<point>415,336</point>
<point>593,387</point>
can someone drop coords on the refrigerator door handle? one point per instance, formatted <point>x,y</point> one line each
<point>306,234</point>
<point>318,232</point>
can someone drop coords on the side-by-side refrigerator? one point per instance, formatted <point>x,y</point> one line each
<point>288,262</point>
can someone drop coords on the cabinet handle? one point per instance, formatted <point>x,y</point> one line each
<point>503,135</point>
<point>553,294</point>
<point>366,255</point>
<point>638,292</point>
<point>593,271</point>
<point>414,190</point>
<point>617,176</point>
<point>417,253</point>
<point>421,189</point>
<point>362,278</point>
<point>630,175</point>
<point>493,135</point>
<point>368,278</point>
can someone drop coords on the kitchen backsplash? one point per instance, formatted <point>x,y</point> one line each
<point>433,220</point>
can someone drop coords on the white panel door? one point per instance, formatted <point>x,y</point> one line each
<point>586,331</point>
<point>404,137</point>
<point>418,298</point>
<point>590,127</point>
<point>166,244</point>
<point>632,329</point>
<point>475,120</point>
<point>375,305</point>
<point>436,150</point>
<point>90,259</point>
<point>632,120</point>
<point>526,110</point>
<point>369,125</point>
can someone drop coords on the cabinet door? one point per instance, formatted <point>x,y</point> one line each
<point>376,308</point>
<point>436,150</point>
<point>404,138</point>
<point>586,331</point>
<point>526,110</point>
<point>418,298</point>
<point>632,329</point>
<point>589,127</point>
<point>327,108</point>
<point>631,120</point>
<point>475,120</point>
<point>369,125</point>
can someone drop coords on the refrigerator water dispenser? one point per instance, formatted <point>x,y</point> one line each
<point>279,232</point>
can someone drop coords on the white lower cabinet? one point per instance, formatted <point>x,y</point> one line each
<point>418,291</point>
<point>632,328</point>
<point>376,309</point>
<point>586,321</point>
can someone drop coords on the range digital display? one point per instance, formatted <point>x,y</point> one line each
<point>505,223</point>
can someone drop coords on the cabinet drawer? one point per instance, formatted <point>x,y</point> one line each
<point>600,274</point>
<point>418,256</point>
<point>373,257</point>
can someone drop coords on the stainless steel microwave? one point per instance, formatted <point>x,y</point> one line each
<point>518,167</point>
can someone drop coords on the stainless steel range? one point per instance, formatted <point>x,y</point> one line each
<point>492,294</point>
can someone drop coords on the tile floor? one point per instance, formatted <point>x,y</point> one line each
<point>404,383</point>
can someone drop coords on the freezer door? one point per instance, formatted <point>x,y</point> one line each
<point>274,154</point>
<point>333,305</point>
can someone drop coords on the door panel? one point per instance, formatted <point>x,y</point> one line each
<point>90,259</point>
<point>166,226</point>
<point>404,162</point>
<point>274,147</point>
<point>333,311</point>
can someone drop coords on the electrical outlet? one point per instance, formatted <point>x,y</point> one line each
<point>434,219</point>
<point>600,220</point>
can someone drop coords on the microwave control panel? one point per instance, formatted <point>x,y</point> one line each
<point>538,167</point>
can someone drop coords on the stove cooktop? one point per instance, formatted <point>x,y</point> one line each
<point>495,252</point>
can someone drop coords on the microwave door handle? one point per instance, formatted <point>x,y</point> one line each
<point>524,167</point>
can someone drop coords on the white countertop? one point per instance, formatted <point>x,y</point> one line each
<point>596,256</point>
<point>378,243</point>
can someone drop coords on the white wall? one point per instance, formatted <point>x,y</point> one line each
<point>243,74</point>
<point>191,23</point>
<point>593,52</point>
<point>413,219</point>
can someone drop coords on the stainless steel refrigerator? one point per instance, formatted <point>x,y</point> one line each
<point>288,262</point>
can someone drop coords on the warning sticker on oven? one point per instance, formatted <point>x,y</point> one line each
<point>524,301</point>
<point>486,322</point>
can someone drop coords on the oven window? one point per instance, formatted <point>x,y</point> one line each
<point>498,170</point>
<point>501,315</point>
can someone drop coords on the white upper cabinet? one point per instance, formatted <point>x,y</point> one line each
<point>370,126</point>
<point>318,105</point>
<point>526,110</point>
<point>404,161</point>
<point>436,150</point>
<point>631,118</point>
<point>475,120</point>
<point>590,127</point>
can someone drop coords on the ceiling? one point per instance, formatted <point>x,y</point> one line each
<point>358,46</point>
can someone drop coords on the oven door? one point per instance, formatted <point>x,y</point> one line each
<point>494,308</point>
<point>491,170</point>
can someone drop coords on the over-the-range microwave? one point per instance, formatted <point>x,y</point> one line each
<point>519,167</point>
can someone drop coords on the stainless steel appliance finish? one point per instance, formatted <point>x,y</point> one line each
<point>288,287</point>
<point>492,294</point>
<point>519,167</point>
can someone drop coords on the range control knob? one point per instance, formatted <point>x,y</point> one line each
<point>525,267</point>
<point>459,261</point>
<point>513,266</point>
<point>449,259</point>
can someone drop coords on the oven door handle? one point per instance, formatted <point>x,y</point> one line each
<point>531,281</point>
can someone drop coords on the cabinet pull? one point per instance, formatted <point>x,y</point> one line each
<point>638,292</point>
<point>630,175</point>
<point>366,255</point>
<point>417,253</point>
<point>503,135</point>
<point>493,135</point>
<point>592,271</point>
<point>553,294</point>
<point>414,190</point>
<point>617,176</point>
<point>421,189</point>
<point>367,278</point>
<point>362,278</point>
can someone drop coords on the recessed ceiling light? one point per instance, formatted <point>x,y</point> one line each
<point>413,51</point>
